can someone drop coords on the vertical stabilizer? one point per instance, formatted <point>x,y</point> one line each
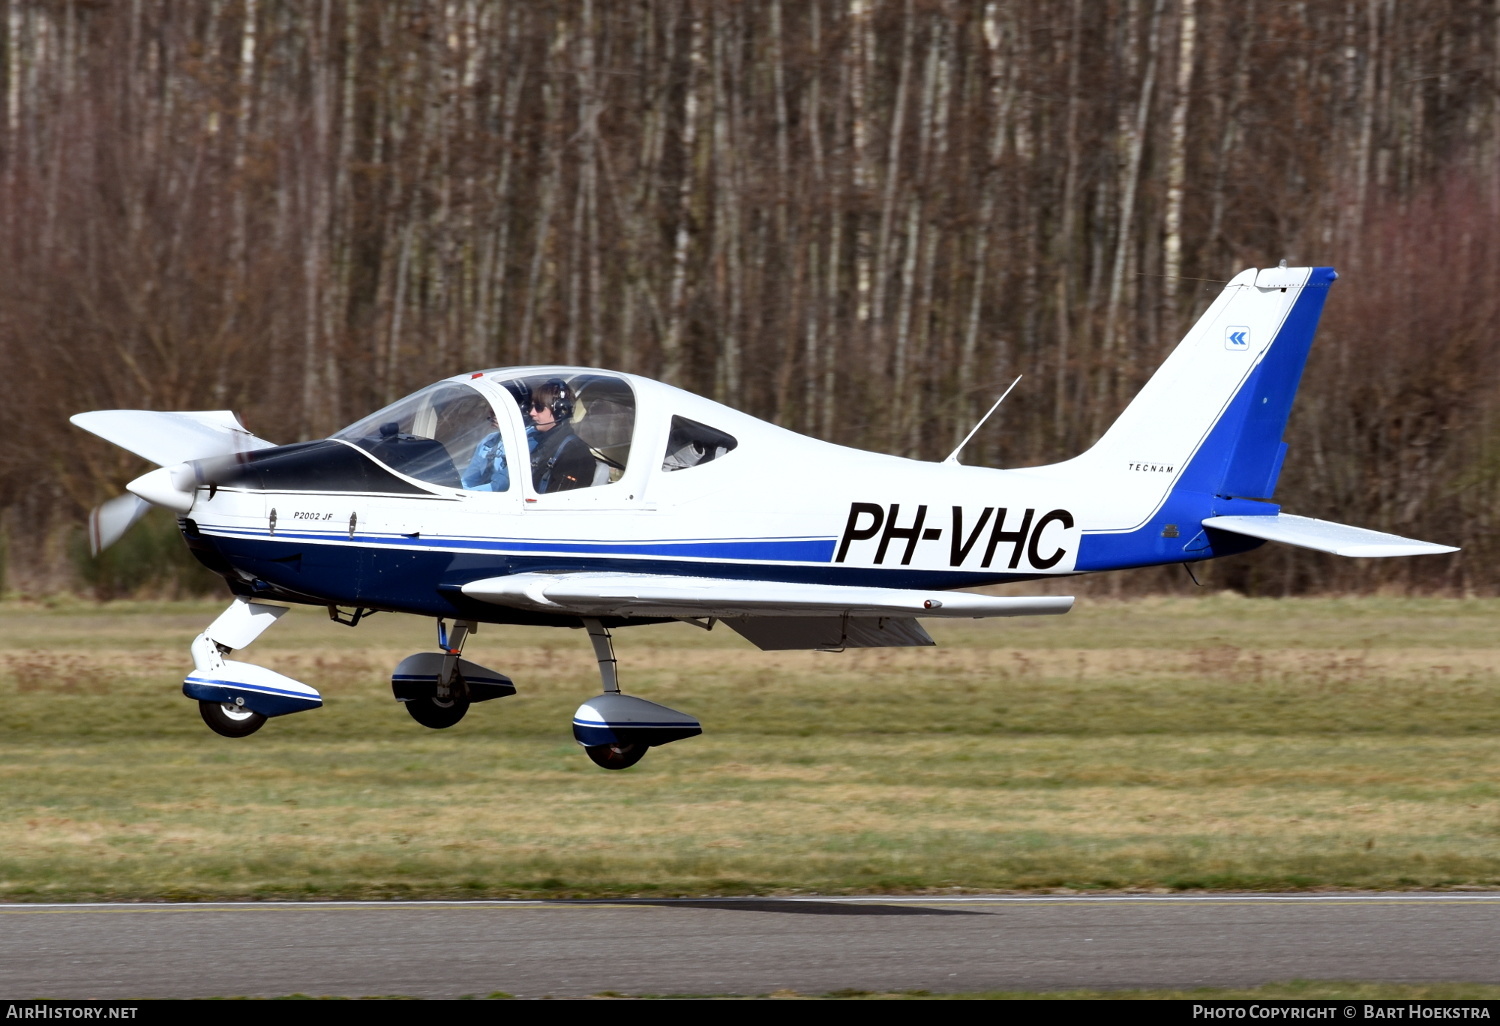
<point>1211,419</point>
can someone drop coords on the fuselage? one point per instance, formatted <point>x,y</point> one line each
<point>331,522</point>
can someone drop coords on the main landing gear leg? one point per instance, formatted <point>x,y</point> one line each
<point>614,729</point>
<point>604,651</point>
<point>615,754</point>
<point>452,645</point>
<point>437,688</point>
<point>450,701</point>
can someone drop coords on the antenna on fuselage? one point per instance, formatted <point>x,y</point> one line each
<point>953,456</point>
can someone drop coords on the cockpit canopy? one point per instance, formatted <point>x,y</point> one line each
<point>578,430</point>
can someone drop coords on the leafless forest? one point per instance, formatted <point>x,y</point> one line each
<point>858,218</point>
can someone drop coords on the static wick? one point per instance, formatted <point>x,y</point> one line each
<point>953,456</point>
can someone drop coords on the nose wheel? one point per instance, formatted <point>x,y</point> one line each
<point>229,719</point>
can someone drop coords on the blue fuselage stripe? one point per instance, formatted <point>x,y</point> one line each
<point>790,550</point>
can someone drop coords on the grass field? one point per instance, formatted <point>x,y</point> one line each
<point>1176,743</point>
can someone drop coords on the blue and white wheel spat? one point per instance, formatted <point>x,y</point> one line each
<point>241,685</point>
<point>252,687</point>
<point>616,719</point>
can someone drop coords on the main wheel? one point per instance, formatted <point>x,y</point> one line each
<point>616,756</point>
<point>437,713</point>
<point>229,719</point>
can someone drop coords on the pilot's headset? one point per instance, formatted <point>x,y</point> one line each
<point>521,393</point>
<point>563,398</point>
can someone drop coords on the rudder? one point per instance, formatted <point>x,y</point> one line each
<point>1253,450</point>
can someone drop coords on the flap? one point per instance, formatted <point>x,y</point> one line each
<point>785,633</point>
<point>606,594</point>
<point>1325,536</point>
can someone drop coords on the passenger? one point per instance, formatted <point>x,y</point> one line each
<point>560,460</point>
<point>489,471</point>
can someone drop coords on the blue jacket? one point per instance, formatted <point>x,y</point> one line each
<point>488,471</point>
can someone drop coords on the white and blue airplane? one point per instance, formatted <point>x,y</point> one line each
<point>571,497</point>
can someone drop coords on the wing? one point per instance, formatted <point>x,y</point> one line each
<point>1325,536</point>
<point>771,614</point>
<point>607,594</point>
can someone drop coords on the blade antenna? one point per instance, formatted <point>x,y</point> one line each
<point>953,456</point>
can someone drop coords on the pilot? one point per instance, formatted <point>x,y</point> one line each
<point>560,460</point>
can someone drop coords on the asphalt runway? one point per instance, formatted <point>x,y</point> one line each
<point>749,946</point>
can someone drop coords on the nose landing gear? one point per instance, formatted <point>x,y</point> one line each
<point>235,699</point>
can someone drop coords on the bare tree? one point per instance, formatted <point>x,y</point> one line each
<point>859,217</point>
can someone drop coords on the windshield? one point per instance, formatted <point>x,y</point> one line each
<point>430,435</point>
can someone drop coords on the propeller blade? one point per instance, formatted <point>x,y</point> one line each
<point>109,522</point>
<point>170,438</point>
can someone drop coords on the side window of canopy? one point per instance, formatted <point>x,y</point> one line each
<point>690,443</point>
<point>436,435</point>
<point>578,428</point>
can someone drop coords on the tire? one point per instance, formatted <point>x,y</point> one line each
<point>230,720</point>
<point>616,756</point>
<point>437,713</point>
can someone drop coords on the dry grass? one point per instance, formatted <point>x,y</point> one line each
<point>1211,743</point>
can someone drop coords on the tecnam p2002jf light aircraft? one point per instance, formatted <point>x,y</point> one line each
<point>585,498</point>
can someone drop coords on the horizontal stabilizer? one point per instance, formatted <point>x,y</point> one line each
<point>1324,536</point>
<point>167,439</point>
<point>607,594</point>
